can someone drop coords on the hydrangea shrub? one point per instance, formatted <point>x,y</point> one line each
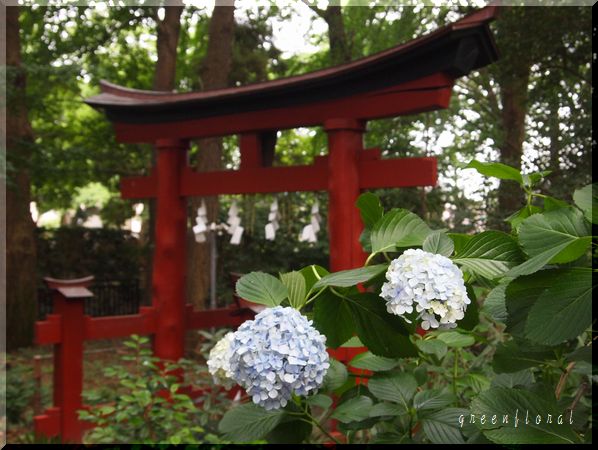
<point>455,326</point>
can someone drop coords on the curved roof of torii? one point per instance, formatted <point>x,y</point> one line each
<point>430,62</point>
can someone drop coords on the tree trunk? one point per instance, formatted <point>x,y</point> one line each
<point>21,278</point>
<point>168,31</point>
<point>215,72</point>
<point>514,92</point>
<point>339,47</point>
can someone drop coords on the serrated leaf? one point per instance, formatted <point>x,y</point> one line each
<point>454,339</point>
<point>336,376</point>
<point>564,310</point>
<point>552,229</point>
<point>262,288</point>
<point>353,410</point>
<point>551,204</point>
<point>369,361</point>
<point>312,274</point>
<point>537,262</point>
<point>459,241</point>
<point>586,199</point>
<point>516,218</point>
<point>511,380</point>
<point>495,303</point>
<point>581,354</point>
<point>387,409</point>
<point>502,401</point>
<point>442,427</point>
<point>370,208</point>
<point>490,254</point>
<point>512,357</point>
<point>291,430</point>
<point>432,347</point>
<point>296,288</point>
<point>397,388</point>
<point>382,333</point>
<point>438,242</point>
<point>249,422</point>
<point>521,294</point>
<point>432,399</point>
<point>320,400</point>
<point>398,228</point>
<point>352,277</point>
<point>333,318</point>
<point>496,170</point>
<point>354,341</point>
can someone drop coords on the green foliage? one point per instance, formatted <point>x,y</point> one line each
<point>438,242</point>
<point>347,278</point>
<point>262,288</point>
<point>149,408</point>
<point>489,254</point>
<point>398,228</point>
<point>249,422</point>
<point>19,391</point>
<point>427,389</point>
<point>72,252</point>
<point>547,424</point>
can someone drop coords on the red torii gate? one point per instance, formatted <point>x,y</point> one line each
<point>411,78</point>
<point>414,77</point>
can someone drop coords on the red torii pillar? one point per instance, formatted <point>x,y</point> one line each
<point>345,145</point>
<point>168,274</point>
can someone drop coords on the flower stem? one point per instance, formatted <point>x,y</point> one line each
<point>455,372</point>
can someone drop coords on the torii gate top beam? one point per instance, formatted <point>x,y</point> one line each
<point>410,78</point>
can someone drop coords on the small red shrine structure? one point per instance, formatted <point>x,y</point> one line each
<point>408,79</point>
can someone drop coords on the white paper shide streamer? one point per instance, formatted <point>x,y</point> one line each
<point>234,225</point>
<point>201,223</point>
<point>310,232</point>
<point>273,218</point>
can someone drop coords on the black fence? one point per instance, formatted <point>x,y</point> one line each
<point>111,298</point>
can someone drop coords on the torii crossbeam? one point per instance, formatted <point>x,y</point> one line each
<point>408,79</point>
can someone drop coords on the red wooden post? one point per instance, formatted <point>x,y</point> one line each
<point>69,302</point>
<point>169,255</point>
<point>250,145</point>
<point>345,144</point>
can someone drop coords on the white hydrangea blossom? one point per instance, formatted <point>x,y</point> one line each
<point>219,362</point>
<point>430,283</point>
<point>277,354</point>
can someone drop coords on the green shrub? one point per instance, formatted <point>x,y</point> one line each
<point>147,407</point>
<point>19,391</point>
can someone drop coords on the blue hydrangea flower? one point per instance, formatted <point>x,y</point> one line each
<point>219,362</point>
<point>277,354</point>
<point>429,283</point>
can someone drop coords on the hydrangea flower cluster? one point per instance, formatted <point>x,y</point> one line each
<point>277,354</point>
<point>219,362</point>
<point>431,283</point>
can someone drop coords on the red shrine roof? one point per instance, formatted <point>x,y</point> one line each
<point>437,58</point>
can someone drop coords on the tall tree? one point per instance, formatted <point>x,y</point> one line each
<point>339,45</point>
<point>214,74</point>
<point>168,31</point>
<point>21,292</point>
<point>537,96</point>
